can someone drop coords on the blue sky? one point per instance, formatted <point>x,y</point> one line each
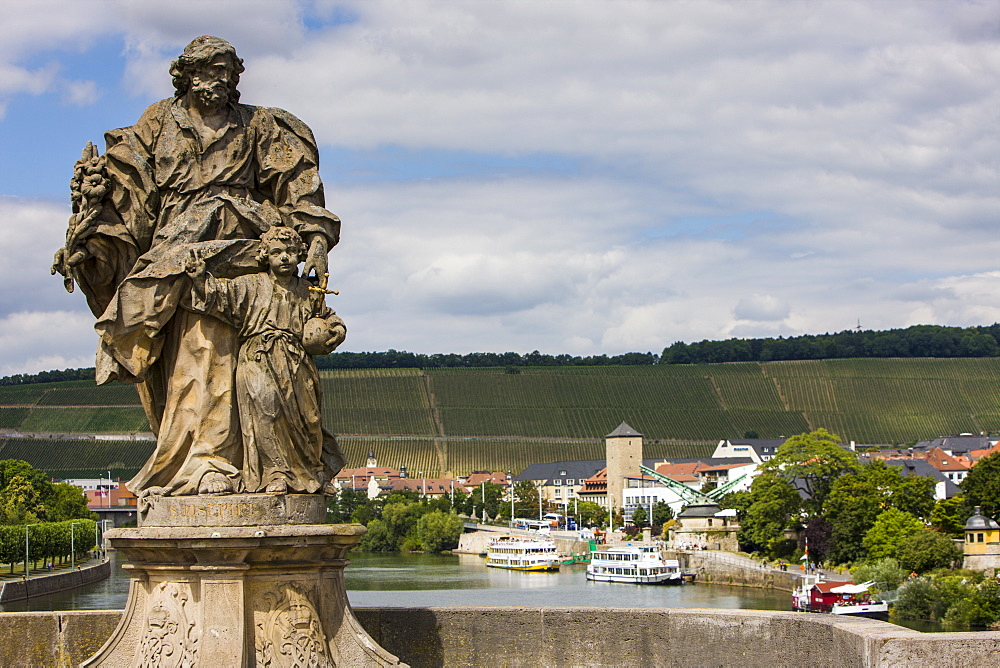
<point>575,177</point>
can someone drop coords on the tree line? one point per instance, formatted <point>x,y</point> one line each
<point>915,341</point>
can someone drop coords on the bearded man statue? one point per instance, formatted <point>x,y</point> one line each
<point>199,172</point>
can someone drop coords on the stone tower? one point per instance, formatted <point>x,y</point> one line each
<point>623,451</point>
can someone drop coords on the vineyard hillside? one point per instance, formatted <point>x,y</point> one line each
<point>463,419</point>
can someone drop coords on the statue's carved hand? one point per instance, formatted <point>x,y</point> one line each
<point>337,335</point>
<point>316,260</point>
<point>194,264</point>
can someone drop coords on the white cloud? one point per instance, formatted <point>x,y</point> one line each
<point>762,308</point>
<point>721,169</point>
<point>35,341</point>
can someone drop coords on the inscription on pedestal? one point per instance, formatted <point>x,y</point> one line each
<point>232,510</point>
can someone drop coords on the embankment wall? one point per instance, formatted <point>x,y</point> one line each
<point>425,637</point>
<point>722,568</point>
<point>18,590</point>
<point>476,542</point>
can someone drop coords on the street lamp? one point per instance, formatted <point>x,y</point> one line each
<point>72,545</point>
<point>99,528</point>
<point>483,487</point>
<point>539,501</point>
<point>510,490</point>
<point>26,550</point>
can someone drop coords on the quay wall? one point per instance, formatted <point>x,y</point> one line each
<point>18,590</point>
<point>430,637</point>
<point>731,569</point>
<point>476,542</point>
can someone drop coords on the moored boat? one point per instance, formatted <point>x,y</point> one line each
<point>523,554</point>
<point>838,598</point>
<point>638,564</point>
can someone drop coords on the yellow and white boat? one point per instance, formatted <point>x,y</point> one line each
<point>523,554</point>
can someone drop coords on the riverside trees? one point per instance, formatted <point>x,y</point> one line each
<point>849,511</point>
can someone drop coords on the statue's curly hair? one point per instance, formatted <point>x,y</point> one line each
<point>281,233</point>
<point>200,51</point>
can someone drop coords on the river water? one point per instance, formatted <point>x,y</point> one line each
<point>404,580</point>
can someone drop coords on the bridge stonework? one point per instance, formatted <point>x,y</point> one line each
<point>471,636</point>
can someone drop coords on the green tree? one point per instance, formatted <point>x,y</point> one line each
<point>340,509</point>
<point>856,499</point>
<point>740,501</point>
<point>459,500</point>
<point>493,494</point>
<point>67,502</point>
<point>367,511</point>
<point>19,502</point>
<point>639,516</point>
<point>662,513</point>
<point>885,573</point>
<point>439,531</point>
<point>379,538</point>
<point>950,515</point>
<point>812,462</point>
<point>525,499</point>
<point>982,485</point>
<point>926,550</point>
<point>774,507</point>
<point>590,514</point>
<point>981,608</point>
<point>891,527</point>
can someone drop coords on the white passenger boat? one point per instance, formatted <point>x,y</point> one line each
<point>523,554</point>
<point>640,564</point>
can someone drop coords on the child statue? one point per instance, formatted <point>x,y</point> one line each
<point>278,391</point>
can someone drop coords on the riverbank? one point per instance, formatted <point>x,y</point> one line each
<point>41,584</point>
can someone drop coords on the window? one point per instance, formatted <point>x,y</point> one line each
<point>979,538</point>
<point>570,481</point>
<point>557,482</point>
<point>558,493</point>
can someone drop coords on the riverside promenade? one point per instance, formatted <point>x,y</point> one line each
<point>738,569</point>
<point>56,580</point>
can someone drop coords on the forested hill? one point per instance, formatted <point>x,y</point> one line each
<point>916,341</point>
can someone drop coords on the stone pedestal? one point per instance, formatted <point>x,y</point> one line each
<point>238,580</point>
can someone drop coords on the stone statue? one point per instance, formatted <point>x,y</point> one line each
<point>277,385</point>
<point>222,372</point>
<point>186,238</point>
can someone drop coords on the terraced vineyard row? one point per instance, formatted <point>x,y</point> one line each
<point>84,456</point>
<point>416,454</point>
<point>868,401</point>
<point>65,419</point>
<point>465,456</point>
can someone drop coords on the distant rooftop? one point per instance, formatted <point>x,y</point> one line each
<point>623,430</point>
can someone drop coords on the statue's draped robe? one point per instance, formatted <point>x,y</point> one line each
<point>170,193</point>
<point>278,389</point>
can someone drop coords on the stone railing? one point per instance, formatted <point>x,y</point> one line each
<point>572,637</point>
